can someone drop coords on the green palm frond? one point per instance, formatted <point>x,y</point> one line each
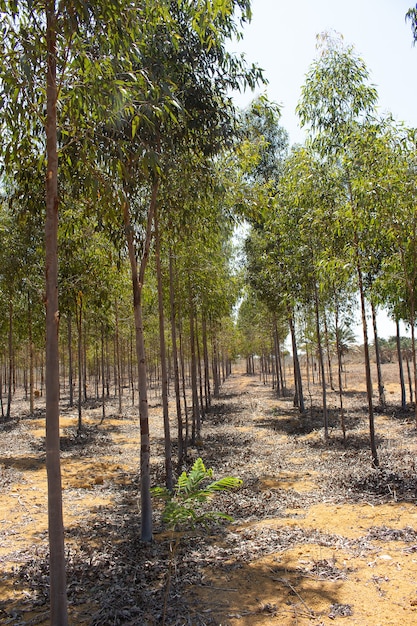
<point>182,505</point>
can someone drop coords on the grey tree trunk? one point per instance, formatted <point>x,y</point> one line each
<point>175,361</point>
<point>57,574</point>
<point>400,365</point>
<point>164,370</point>
<point>137,285</point>
<point>321,359</point>
<point>381,388</point>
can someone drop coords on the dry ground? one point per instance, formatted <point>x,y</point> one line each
<point>319,537</point>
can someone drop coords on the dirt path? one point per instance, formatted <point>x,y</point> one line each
<point>318,537</point>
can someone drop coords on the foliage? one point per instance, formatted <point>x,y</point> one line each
<point>412,16</point>
<point>183,507</point>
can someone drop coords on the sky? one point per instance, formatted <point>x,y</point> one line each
<point>281,39</point>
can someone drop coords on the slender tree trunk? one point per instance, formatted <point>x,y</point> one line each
<point>369,393</point>
<point>215,367</point>
<point>297,371</point>
<point>70,364</point>
<point>84,358</point>
<point>57,574</point>
<point>277,360</point>
<point>31,380</point>
<point>207,390</point>
<point>328,351</point>
<point>80,360</point>
<point>196,427</point>
<point>400,365</point>
<point>410,384</point>
<point>164,371</point>
<point>184,395</point>
<point>339,373</point>
<point>3,417</point>
<point>175,361</point>
<point>137,285</point>
<point>117,359</point>
<point>10,356</point>
<point>381,389</point>
<point>413,352</point>
<point>200,373</point>
<point>103,378</point>
<point>323,376</point>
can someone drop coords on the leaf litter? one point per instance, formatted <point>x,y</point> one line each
<point>304,547</point>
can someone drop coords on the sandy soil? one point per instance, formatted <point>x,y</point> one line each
<point>319,537</point>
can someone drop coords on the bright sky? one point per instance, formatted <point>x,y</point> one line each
<point>282,40</point>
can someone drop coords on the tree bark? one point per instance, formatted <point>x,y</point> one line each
<point>207,390</point>
<point>381,389</point>
<point>31,381</point>
<point>323,376</point>
<point>70,364</point>
<point>369,393</point>
<point>175,361</point>
<point>10,357</point>
<point>297,372</point>
<point>196,426</point>
<point>137,285</point>
<point>169,482</point>
<point>400,365</point>
<point>57,574</point>
<point>117,359</point>
<point>80,359</point>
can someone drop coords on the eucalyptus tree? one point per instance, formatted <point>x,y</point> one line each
<point>396,192</point>
<point>412,16</point>
<point>337,100</point>
<point>47,66</point>
<point>307,202</point>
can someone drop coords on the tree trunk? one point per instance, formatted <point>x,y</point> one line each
<point>400,365</point>
<point>410,384</point>
<point>103,379</point>
<point>413,352</point>
<point>137,285</point>
<point>57,574</point>
<point>323,376</point>
<point>215,367</point>
<point>277,361</point>
<point>369,394</point>
<point>196,426</point>
<point>339,372</point>
<point>31,380</point>
<point>117,359</point>
<point>80,359</point>
<point>175,361</point>
<point>70,364</point>
<point>328,352</point>
<point>207,390</point>
<point>10,357</point>
<point>164,371</point>
<point>299,396</point>
<point>200,373</point>
<point>381,389</point>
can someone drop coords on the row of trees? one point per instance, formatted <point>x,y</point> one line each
<point>132,100</point>
<point>341,218</point>
<point>124,108</point>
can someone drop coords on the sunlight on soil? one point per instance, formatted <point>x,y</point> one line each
<point>297,554</point>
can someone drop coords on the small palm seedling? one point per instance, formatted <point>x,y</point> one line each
<point>184,507</point>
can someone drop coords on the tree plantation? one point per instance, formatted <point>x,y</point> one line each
<point>183,401</point>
